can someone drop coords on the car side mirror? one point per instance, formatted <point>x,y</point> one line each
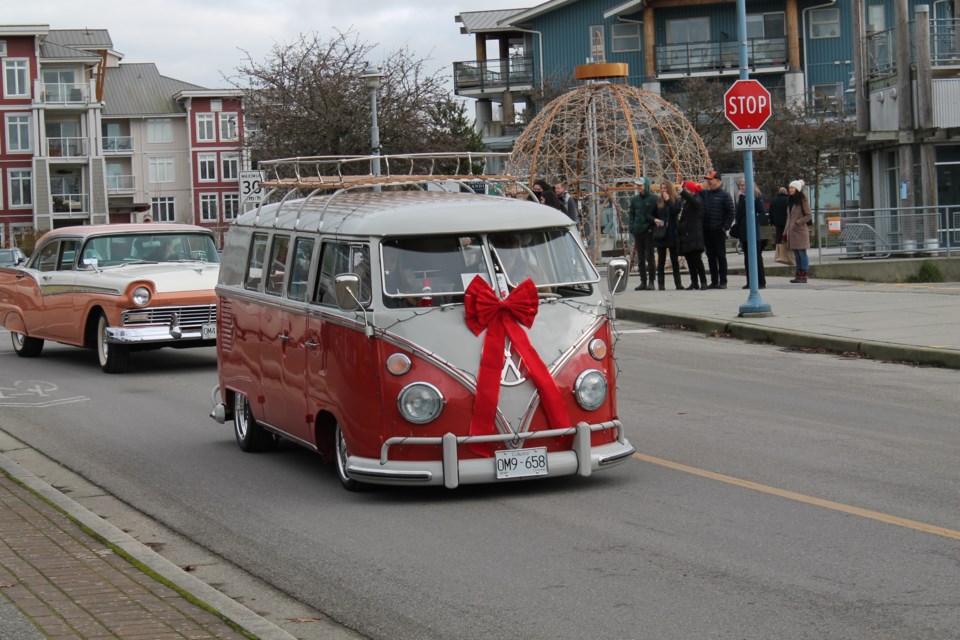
<point>91,263</point>
<point>618,271</point>
<point>348,291</point>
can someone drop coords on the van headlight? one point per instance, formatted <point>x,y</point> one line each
<point>141,296</point>
<point>590,389</point>
<point>420,402</point>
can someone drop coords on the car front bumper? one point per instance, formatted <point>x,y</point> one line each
<point>155,334</point>
<point>582,459</point>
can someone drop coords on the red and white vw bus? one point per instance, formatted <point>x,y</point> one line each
<point>414,333</point>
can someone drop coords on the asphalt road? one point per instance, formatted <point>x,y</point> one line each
<point>776,495</point>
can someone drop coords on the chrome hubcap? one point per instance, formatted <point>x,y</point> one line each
<point>240,414</point>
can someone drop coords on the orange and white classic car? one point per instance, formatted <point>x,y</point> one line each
<point>114,288</point>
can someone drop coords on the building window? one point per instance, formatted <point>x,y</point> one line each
<point>597,53</point>
<point>626,36</point>
<point>3,48</point>
<point>765,25</point>
<point>231,205</point>
<point>228,126</point>
<point>163,209</point>
<point>207,167</point>
<point>208,207</point>
<point>205,130</point>
<point>688,30</point>
<point>216,104</point>
<point>825,23</point>
<point>231,167</point>
<point>20,187</point>
<point>18,133</point>
<point>16,78</point>
<point>159,130</point>
<point>161,170</point>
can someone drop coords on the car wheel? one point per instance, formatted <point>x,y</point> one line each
<point>114,358</point>
<point>250,435</point>
<point>341,460</point>
<point>25,346</point>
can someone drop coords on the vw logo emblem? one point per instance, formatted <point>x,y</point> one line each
<point>513,372</point>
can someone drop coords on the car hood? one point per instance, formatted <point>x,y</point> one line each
<point>167,277</point>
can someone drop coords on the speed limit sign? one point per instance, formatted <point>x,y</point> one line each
<point>250,190</point>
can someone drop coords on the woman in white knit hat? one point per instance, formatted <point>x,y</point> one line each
<point>797,232</point>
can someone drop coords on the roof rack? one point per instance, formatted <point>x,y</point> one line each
<point>340,174</point>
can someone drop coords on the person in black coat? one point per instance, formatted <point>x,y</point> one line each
<point>666,213</point>
<point>778,213</point>
<point>718,215</point>
<point>739,230</point>
<point>690,234</point>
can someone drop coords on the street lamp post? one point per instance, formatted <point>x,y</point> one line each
<point>371,76</point>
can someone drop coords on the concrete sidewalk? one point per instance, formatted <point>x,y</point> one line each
<point>904,322</point>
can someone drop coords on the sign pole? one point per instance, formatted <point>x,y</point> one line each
<point>754,306</point>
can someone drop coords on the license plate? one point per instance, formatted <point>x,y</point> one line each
<point>208,331</point>
<point>519,463</point>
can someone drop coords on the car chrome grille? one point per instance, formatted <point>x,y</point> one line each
<point>192,316</point>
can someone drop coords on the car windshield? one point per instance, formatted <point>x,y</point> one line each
<point>441,267</point>
<point>150,247</point>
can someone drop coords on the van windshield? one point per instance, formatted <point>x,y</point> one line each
<point>441,267</point>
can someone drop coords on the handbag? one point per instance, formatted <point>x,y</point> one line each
<point>660,232</point>
<point>783,255</point>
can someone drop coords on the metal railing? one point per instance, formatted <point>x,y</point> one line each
<point>121,183</point>
<point>64,93</point>
<point>944,48</point>
<point>66,147</point>
<point>710,56</point>
<point>117,144</point>
<point>69,202</point>
<point>493,75</point>
<point>880,233</point>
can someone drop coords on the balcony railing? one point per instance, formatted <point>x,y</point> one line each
<point>121,183</point>
<point>503,74</point>
<point>69,202</point>
<point>64,93</point>
<point>67,147</point>
<point>117,144</point>
<point>881,54</point>
<point>944,48</point>
<point>694,57</point>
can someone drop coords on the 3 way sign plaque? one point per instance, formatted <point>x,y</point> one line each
<point>749,140</point>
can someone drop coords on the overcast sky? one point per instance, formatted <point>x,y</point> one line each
<point>199,41</point>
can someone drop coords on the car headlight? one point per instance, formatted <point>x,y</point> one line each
<point>420,402</point>
<point>590,389</point>
<point>141,296</point>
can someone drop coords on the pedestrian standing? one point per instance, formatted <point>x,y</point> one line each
<point>665,237</point>
<point>569,202</point>
<point>797,232</point>
<point>690,233</point>
<point>739,231</point>
<point>778,214</point>
<point>548,196</point>
<point>718,215</point>
<point>641,219</point>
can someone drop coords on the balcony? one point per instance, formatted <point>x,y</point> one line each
<point>67,147</point>
<point>55,93</point>
<point>121,184</point>
<point>117,144</point>
<point>944,48</point>
<point>696,58</point>
<point>493,76</point>
<point>69,203</point>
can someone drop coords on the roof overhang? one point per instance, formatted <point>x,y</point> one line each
<point>632,6</point>
<point>537,11</point>
<point>24,30</point>
<point>208,93</point>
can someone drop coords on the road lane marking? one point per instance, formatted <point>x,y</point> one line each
<point>799,497</point>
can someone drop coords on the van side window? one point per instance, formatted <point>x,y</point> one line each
<point>278,265</point>
<point>258,250</point>
<point>300,269</point>
<point>342,257</point>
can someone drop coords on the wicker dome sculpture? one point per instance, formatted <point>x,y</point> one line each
<point>599,138</point>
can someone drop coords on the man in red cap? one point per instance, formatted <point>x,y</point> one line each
<point>718,215</point>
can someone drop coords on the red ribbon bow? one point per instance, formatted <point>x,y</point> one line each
<point>502,318</point>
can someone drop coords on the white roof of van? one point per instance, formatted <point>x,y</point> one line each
<point>399,213</point>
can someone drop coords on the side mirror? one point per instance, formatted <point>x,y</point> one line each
<point>618,271</point>
<point>348,291</point>
<point>91,263</point>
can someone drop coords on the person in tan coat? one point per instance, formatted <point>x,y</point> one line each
<point>797,232</point>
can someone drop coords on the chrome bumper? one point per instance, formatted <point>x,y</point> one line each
<point>451,472</point>
<point>163,333</point>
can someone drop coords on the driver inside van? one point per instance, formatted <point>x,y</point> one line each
<point>517,259</point>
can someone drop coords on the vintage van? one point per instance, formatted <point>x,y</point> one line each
<point>416,335</point>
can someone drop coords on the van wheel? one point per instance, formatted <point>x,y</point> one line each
<point>348,483</point>
<point>250,435</point>
<point>113,358</point>
<point>25,346</point>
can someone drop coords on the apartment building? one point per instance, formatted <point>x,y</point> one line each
<point>89,139</point>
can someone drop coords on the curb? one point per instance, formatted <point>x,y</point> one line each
<point>131,549</point>
<point>743,330</point>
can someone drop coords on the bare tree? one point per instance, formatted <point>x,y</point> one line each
<point>307,98</point>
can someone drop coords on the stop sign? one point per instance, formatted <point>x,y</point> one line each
<point>747,104</point>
